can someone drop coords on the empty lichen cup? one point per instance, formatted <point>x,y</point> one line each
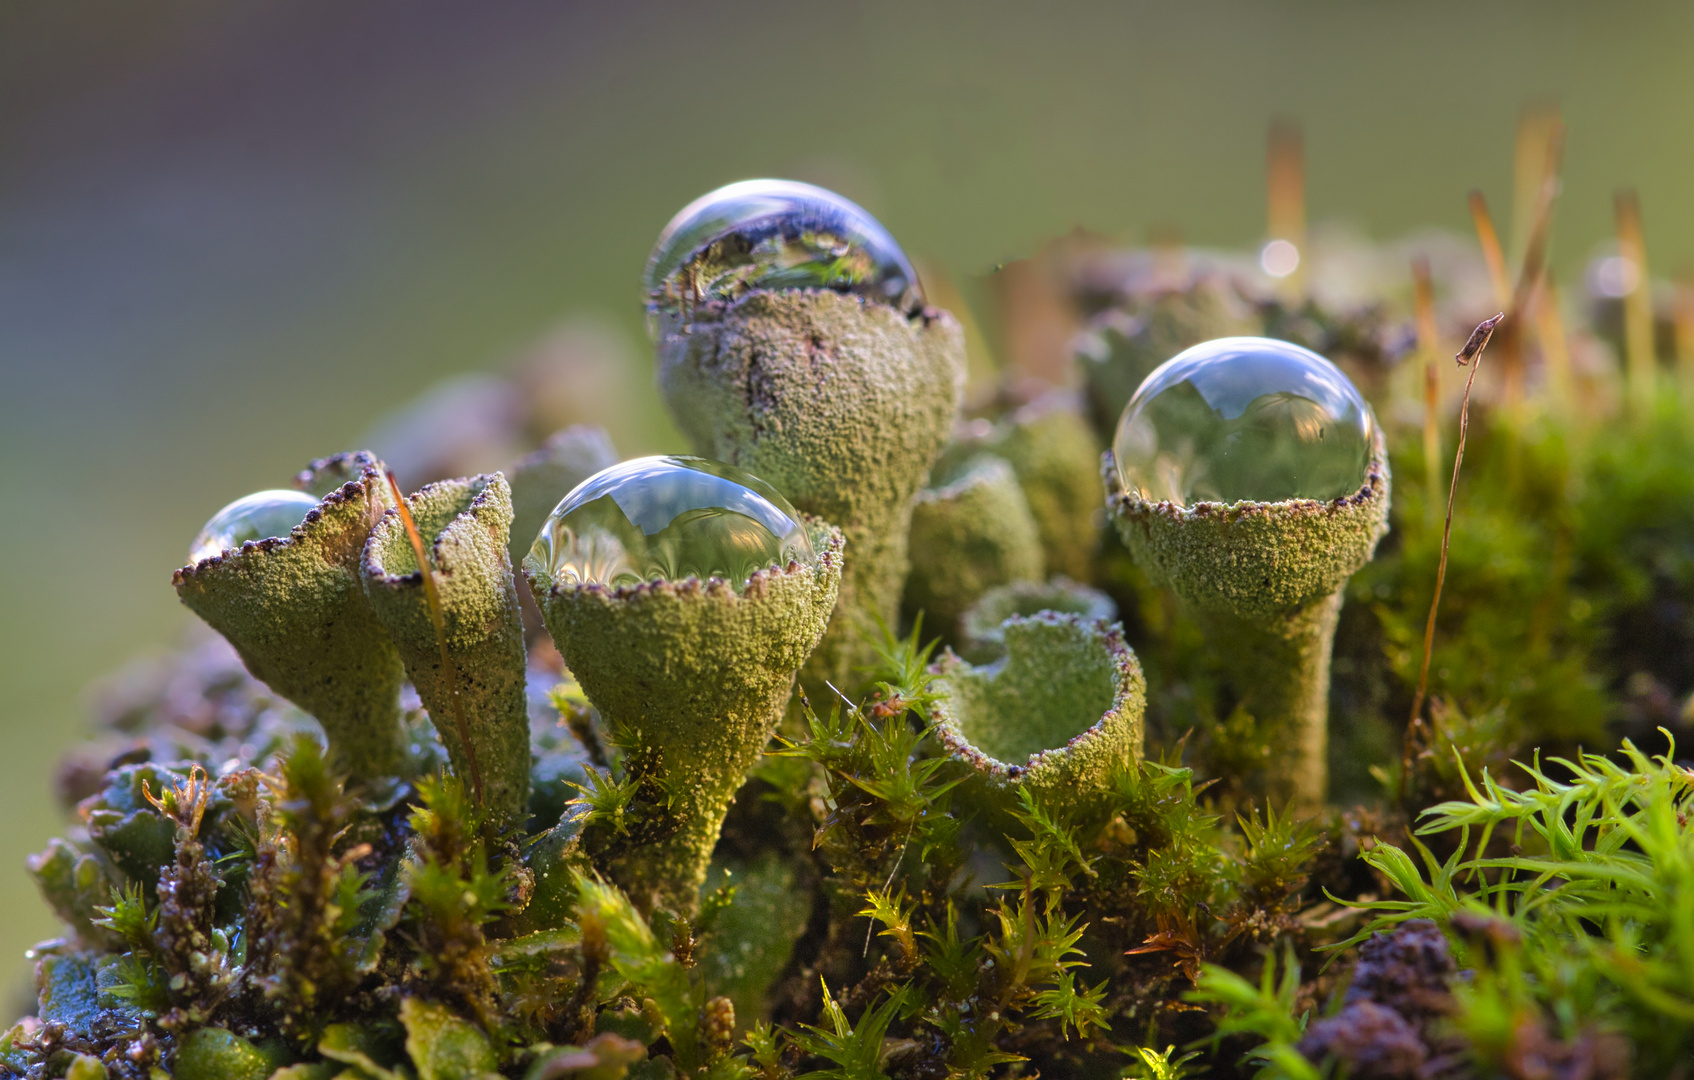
<point>982,629</point>
<point>291,602</point>
<point>1250,476</point>
<point>793,342</point>
<point>471,679</point>
<point>1059,714</point>
<point>684,595</point>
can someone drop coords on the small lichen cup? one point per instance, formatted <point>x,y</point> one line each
<point>1265,580</point>
<point>464,525</point>
<point>843,404</point>
<point>969,534</point>
<point>1059,714</point>
<point>696,675</point>
<point>296,612</point>
<point>982,628</point>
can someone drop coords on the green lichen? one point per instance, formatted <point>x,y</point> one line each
<point>693,678</point>
<point>541,479</point>
<point>295,610</point>
<point>969,535</point>
<point>1059,715</point>
<point>842,405</point>
<point>1265,580</point>
<point>982,634</point>
<point>465,526</point>
<point>1056,457</point>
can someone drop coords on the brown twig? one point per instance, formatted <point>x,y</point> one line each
<point>432,597</point>
<point>1471,356</point>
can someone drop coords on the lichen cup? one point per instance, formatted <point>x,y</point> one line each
<point>969,534</point>
<point>1059,714</point>
<point>982,627</point>
<point>843,404</point>
<point>464,526</point>
<point>693,678</point>
<point>1265,580</point>
<point>296,612</point>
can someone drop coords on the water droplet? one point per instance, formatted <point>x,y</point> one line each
<point>253,517</point>
<point>1244,419</point>
<point>773,234</point>
<point>668,518</point>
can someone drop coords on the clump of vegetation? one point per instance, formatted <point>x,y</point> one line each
<point>1498,894</point>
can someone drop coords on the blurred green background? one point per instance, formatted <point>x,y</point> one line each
<point>231,235</point>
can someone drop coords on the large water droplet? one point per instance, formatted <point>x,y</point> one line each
<point>773,234</point>
<point>1244,418</point>
<point>668,518</point>
<point>257,516</point>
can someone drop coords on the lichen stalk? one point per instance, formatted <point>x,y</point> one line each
<point>296,613</point>
<point>473,666</point>
<point>843,405</point>
<point>693,678</point>
<point>1265,581</point>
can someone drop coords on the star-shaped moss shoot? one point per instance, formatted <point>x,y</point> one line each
<point>288,597</point>
<point>794,342</point>
<point>1250,476</point>
<point>684,594</point>
<point>1058,714</point>
<point>463,647</point>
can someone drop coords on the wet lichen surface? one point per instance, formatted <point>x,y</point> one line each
<point>960,763</point>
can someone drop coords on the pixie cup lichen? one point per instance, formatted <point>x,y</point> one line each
<point>793,342</point>
<point>464,526</point>
<point>295,610</point>
<point>684,595</point>
<point>968,535</point>
<point>1059,714</point>
<point>1250,477</point>
<point>982,627</point>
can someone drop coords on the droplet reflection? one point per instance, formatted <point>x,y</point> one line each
<point>258,516</point>
<point>773,234</point>
<point>669,518</point>
<point>1244,419</point>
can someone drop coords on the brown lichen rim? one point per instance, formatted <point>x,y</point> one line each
<point>1000,774</point>
<point>482,483</point>
<point>1121,502</point>
<point>829,557</point>
<point>369,474</point>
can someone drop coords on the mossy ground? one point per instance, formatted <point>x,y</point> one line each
<point>233,908</point>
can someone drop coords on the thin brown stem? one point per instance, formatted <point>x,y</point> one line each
<point>1470,355</point>
<point>432,597</point>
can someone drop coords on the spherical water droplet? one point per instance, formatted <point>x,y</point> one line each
<point>254,517</point>
<point>668,518</point>
<point>1244,419</point>
<point>773,234</point>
